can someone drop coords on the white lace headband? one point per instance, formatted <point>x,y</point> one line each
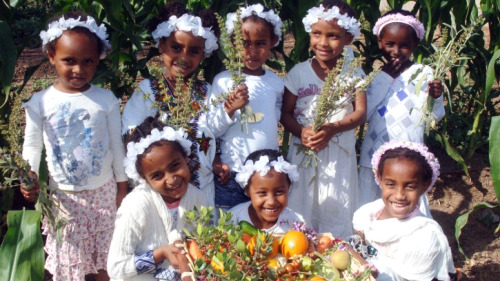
<point>418,147</point>
<point>56,29</point>
<point>258,10</point>
<point>187,23</point>
<point>343,20</point>
<point>263,166</point>
<point>136,148</point>
<point>408,20</point>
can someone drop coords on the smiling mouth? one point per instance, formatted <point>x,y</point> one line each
<point>397,205</point>
<point>271,211</point>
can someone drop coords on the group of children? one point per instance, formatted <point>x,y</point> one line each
<point>175,169</point>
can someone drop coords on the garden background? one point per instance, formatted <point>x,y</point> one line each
<point>466,141</point>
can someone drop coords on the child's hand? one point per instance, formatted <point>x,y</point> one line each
<point>238,99</point>
<point>320,139</point>
<point>223,172</point>
<point>435,88</point>
<point>32,194</point>
<point>306,134</point>
<point>169,252</point>
<point>184,267</point>
<point>392,67</point>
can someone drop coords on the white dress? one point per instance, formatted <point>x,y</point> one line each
<point>143,223</point>
<point>326,202</point>
<point>394,113</point>
<point>414,248</point>
<point>282,226</point>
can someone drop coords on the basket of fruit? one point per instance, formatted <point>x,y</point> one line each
<point>225,251</point>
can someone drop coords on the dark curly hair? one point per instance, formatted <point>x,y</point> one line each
<point>271,153</point>
<point>401,25</point>
<point>50,47</point>
<point>403,152</point>
<point>142,131</point>
<point>177,9</point>
<point>256,19</point>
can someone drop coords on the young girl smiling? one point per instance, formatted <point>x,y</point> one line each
<point>409,246</point>
<point>266,178</point>
<point>151,218</point>
<point>327,203</point>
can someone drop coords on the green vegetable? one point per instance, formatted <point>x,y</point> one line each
<point>248,228</point>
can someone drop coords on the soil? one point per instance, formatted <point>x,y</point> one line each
<point>453,195</point>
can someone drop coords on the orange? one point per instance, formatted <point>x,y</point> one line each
<point>194,250</point>
<point>317,278</point>
<point>251,245</point>
<point>218,266</point>
<point>273,263</point>
<point>294,243</point>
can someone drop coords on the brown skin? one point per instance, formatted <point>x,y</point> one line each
<point>327,41</point>
<point>222,170</point>
<point>398,42</point>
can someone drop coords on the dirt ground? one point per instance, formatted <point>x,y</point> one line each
<point>453,195</point>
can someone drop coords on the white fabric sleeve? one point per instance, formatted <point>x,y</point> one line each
<point>218,121</point>
<point>33,138</point>
<point>138,107</point>
<point>279,103</point>
<point>292,80</point>
<point>115,141</point>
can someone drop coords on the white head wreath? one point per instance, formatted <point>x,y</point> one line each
<point>258,10</point>
<point>56,29</point>
<point>343,20</point>
<point>187,23</point>
<point>136,148</point>
<point>263,166</point>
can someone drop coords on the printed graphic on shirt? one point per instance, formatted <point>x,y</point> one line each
<point>75,155</point>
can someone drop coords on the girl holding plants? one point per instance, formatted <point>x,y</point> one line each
<point>262,92</point>
<point>183,41</point>
<point>266,178</point>
<point>397,96</point>
<point>76,122</point>
<point>409,245</point>
<point>151,217</point>
<point>326,201</point>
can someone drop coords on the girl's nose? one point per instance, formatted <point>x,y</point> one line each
<point>400,194</point>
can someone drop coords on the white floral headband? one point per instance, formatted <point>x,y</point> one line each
<point>417,147</point>
<point>187,23</point>
<point>258,10</point>
<point>343,20</point>
<point>56,29</point>
<point>408,20</point>
<point>263,166</point>
<point>136,148</point>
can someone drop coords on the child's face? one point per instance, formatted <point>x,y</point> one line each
<point>75,58</point>
<point>328,40</point>
<point>182,52</point>
<point>269,196</point>
<point>402,185</point>
<point>257,42</point>
<point>167,171</point>
<point>397,42</point>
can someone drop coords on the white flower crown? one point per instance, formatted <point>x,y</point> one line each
<point>263,166</point>
<point>343,20</point>
<point>56,29</point>
<point>136,148</point>
<point>258,10</point>
<point>187,23</point>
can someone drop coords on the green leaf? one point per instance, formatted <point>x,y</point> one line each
<point>462,221</point>
<point>490,74</point>
<point>8,58</point>
<point>22,248</point>
<point>495,154</point>
<point>452,152</point>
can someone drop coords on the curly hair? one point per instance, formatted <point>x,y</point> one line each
<point>403,152</point>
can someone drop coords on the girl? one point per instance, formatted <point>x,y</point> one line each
<point>77,123</point>
<point>262,91</point>
<point>183,41</point>
<point>327,203</point>
<point>395,106</point>
<point>151,217</point>
<point>409,245</point>
<point>266,178</point>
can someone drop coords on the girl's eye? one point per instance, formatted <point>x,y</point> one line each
<point>195,52</point>
<point>246,44</point>
<point>89,61</point>
<point>157,176</point>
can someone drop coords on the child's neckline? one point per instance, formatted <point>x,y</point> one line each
<point>73,94</point>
